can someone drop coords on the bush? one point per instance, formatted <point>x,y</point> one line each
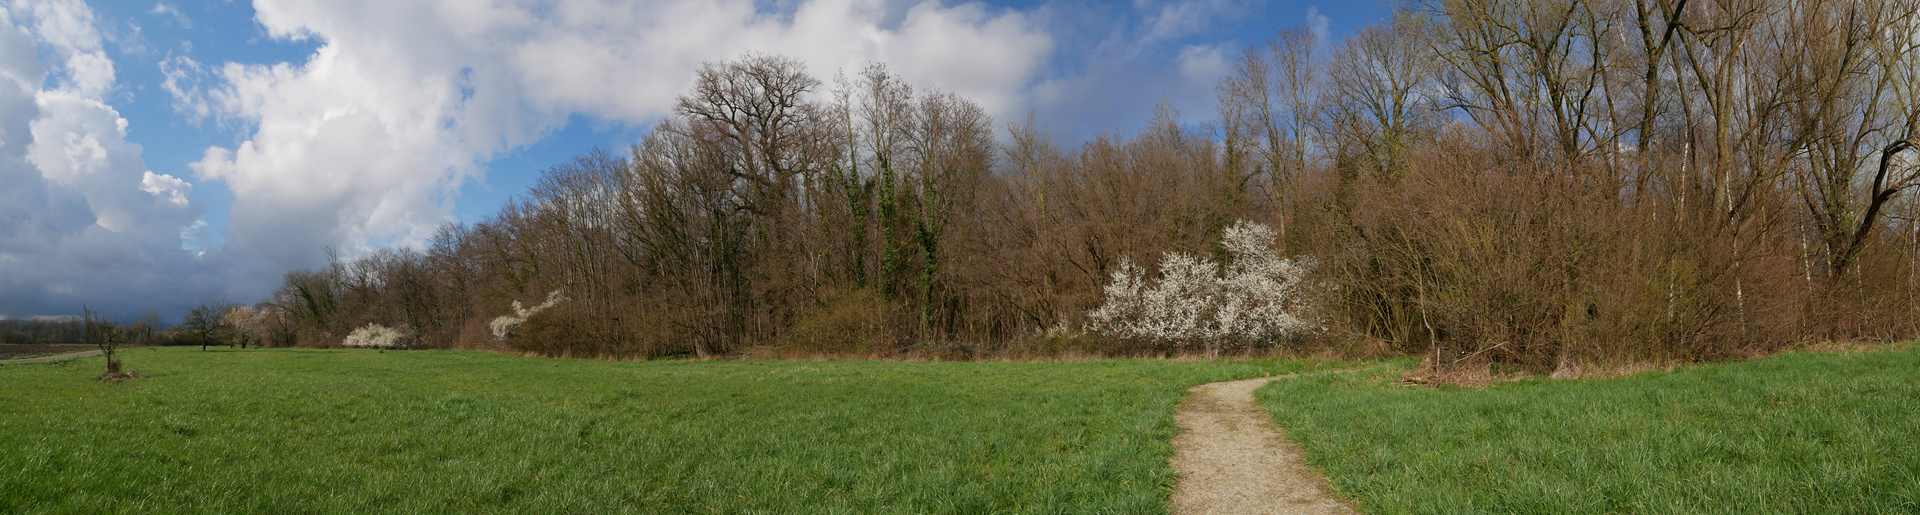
<point>503,325</point>
<point>1252,300</point>
<point>852,322</point>
<point>1475,266</point>
<point>376,336</point>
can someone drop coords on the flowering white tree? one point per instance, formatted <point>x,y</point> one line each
<point>1253,299</point>
<point>252,324</point>
<point>504,324</point>
<point>375,336</point>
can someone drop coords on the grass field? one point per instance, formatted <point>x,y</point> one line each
<point>1797,433</point>
<point>361,431</point>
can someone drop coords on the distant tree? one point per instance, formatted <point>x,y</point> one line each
<point>142,330</point>
<point>103,335</point>
<point>1267,106</point>
<point>312,302</point>
<point>952,137</point>
<point>249,324</point>
<point>1380,101</point>
<point>205,323</point>
<point>886,107</point>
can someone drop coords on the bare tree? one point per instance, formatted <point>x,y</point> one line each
<point>951,137</point>
<point>207,324</point>
<point>105,337</point>
<point>1268,106</point>
<point>886,112</point>
<point>1382,93</point>
<point>1835,58</point>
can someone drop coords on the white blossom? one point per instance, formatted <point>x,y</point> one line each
<point>1253,299</point>
<point>504,324</point>
<point>376,336</point>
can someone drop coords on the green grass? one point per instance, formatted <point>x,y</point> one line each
<point>1797,433</point>
<point>361,431</point>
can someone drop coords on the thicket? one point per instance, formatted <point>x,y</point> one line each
<point>1541,185</point>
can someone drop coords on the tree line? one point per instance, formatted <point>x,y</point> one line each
<point>1537,184</point>
<point>204,325</point>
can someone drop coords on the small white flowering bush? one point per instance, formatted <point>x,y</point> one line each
<point>375,336</point>
<point>504,324</point>
<point>1196,302</point>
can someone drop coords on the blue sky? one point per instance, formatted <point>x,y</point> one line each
<point>257,134</point>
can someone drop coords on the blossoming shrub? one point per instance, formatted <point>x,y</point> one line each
<point>375,336</point>
<point>1197,304</point>
<point>503,325</point>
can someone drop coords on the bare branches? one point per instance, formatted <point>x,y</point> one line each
<point>1529,182</point>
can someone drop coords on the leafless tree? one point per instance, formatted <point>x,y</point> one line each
<point>107,338</point>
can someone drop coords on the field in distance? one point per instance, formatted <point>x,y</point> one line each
<point>29,350</point>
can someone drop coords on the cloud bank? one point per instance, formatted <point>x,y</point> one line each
<point>82,220</point>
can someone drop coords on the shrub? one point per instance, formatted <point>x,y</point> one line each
<point>1476,265</point>
<point>504,324</point>
<point>1252,300</point>
<point>375,336</point>
<point>853,322</point>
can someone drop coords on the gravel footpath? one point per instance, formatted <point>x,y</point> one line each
<point>1232,459</point>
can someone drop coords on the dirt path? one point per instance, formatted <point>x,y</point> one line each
<point>1232,459</point>
<point>50,359</point>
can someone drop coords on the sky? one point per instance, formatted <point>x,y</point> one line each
<point>156,155</point>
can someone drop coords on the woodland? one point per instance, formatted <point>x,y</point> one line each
<point>1545,186</point>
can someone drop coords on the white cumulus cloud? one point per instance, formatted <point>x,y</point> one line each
<point>164,186</point>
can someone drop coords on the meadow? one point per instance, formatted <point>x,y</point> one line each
<point>1801,432</point>
<point>435,431</point>
<point>314,430</point>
